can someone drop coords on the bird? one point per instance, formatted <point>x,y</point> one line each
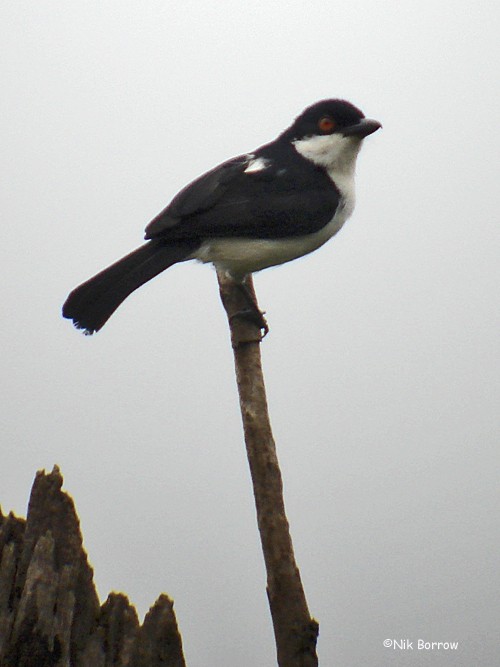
<point>257,210</point>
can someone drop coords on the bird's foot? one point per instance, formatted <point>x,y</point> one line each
<point>254,316</point>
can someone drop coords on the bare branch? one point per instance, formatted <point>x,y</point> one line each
<point>295,631</point>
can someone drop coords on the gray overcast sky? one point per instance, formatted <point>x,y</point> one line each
<point>382,360</point>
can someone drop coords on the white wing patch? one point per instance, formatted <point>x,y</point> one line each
<point>256,164</point>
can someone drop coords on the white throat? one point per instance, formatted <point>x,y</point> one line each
<point>334,152</point>
<point>337,155</point>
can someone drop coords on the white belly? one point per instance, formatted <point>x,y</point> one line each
<point>241,256</point>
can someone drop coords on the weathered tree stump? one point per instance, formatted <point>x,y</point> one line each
<point>50,614</point>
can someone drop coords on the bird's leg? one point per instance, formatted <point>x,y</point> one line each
<point>252,313</point>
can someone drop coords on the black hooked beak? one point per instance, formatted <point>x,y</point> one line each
<point>362,129</point>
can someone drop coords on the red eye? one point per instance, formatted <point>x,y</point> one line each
<point>326,124</point>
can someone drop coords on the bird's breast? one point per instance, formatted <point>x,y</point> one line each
<point>241,256</point>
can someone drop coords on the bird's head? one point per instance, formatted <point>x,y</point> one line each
<point>330,133</point>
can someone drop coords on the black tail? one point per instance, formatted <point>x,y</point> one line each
<point>91,304</point>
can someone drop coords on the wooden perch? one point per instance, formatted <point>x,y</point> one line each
<point>49,610</point>
<point>295,631</point>
<point>50,614</point>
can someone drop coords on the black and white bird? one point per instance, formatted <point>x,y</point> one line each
<point>260,209</point>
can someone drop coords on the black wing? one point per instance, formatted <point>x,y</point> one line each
<point>197,196</point>
<point>288,197</point>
